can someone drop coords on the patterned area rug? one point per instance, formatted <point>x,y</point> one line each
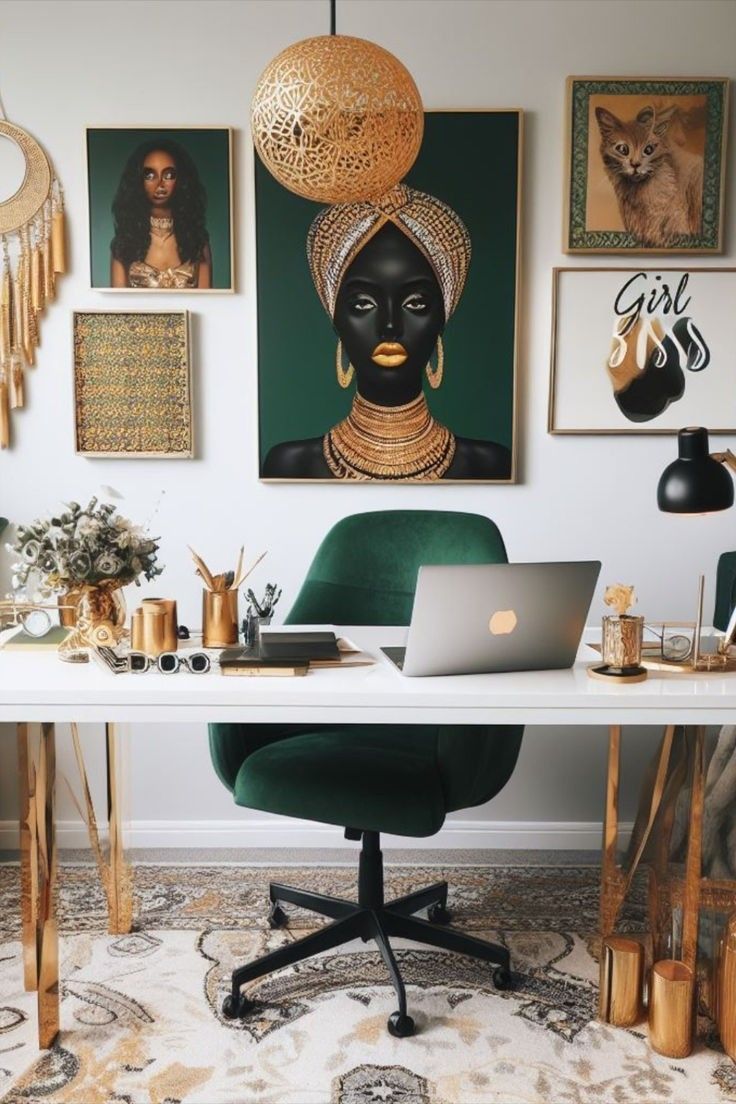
<point>141,1017</point>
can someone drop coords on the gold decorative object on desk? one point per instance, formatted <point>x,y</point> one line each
<point>621,978</point>
<point>621,640</point>
<point>33,255</point>
<point>89,554</point>
<point>220,601</point>
<point>153,627</point>
<point>671,1008</point>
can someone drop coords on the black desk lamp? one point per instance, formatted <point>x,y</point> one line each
<point>697,482</point>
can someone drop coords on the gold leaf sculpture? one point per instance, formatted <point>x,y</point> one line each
<point>33,255</point>
<point>620,597</point>
<point>337,119</point>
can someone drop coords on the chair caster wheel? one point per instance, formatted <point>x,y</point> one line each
<point>277,918</point>
<point>438,914</point>
<point>236,1008</point>
<point>502,977</point>
<point>399,1025</point>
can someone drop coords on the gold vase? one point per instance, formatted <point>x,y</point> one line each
<point>68,603</point>
<point>727,989</point>
<point>101,614</point>
<point>671,1008</point>
<point>621,976</point>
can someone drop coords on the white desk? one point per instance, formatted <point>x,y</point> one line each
<point>38,689</point>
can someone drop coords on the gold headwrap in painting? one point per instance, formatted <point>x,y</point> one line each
<point>339,233</point>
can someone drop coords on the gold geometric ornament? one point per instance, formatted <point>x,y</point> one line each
<point>337,119</point>
<point>33,254</point>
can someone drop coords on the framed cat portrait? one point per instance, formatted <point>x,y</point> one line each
<point>645,165</point>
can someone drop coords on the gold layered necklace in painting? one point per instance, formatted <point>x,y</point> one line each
<point>389,442</point>
<point>161,228</point>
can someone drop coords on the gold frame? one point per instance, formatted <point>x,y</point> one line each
<point>190,454</point>
<point>553,353</point>
<point>567,180</point>
<point>514,477</point>
<point>170,291</point>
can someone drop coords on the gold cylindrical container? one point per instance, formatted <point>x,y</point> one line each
<point>671,1008</point>
<point>152,632</point>
<point>621,644</point>
<point>168,605</point>
<point>219,618</point>
<point>727,989</point>
<point>622,974</point>
<point>136,631</point>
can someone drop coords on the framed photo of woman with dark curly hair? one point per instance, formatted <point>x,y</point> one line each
<point>160,208</point>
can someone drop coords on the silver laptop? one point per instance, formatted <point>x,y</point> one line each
<point>473,618</point>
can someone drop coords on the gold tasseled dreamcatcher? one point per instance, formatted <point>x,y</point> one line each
<point>33,254</point>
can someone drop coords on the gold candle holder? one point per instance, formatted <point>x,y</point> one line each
<point>153,627</point>
<point>671,1008</point>
<point>621,978</point>
<point>219,618</point>
<point>621,642</point>
<point>727,989</point>
<point>170,625</point>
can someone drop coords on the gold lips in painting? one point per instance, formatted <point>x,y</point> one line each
<point>132,384</point>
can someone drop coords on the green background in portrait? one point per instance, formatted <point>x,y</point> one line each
<point>107,153</point>
<point>469,160</point>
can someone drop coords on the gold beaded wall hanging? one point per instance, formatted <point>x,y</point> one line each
<point>33,255</point>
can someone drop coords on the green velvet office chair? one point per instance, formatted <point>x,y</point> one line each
<point>369,779</point>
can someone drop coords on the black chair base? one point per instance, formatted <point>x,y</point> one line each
<point>369,918</point>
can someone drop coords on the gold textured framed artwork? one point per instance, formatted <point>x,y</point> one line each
<point>646,161</point>
<point>132,384</point>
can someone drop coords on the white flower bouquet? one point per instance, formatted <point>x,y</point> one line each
<point>87,547</point>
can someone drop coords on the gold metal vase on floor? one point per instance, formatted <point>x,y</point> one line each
<point>727,989</point>
<point>671,1008</point>
<point>622,973</point>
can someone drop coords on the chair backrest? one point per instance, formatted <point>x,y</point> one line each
<point>725,589</point>
<point>365,570</point>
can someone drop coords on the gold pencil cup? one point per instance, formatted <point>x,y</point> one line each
<point>727,989</point>
<point>219,618</point>
<point>671,1007</point>
<point>621,978</point>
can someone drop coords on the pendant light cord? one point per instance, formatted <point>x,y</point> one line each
<point>333,16</point>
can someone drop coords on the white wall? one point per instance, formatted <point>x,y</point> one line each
<point>72,64</point>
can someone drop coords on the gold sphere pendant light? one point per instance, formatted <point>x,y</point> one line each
<point>337,119</point>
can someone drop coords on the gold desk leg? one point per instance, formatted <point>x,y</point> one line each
<point>691,895</point>
<point>610,874</point>
<point>120,887</point>
<point>28,858</point>
<point>47,936</point>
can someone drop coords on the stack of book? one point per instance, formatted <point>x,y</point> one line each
<point>291,653</point>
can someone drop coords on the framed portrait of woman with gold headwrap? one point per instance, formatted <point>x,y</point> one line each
<point>387,347</point>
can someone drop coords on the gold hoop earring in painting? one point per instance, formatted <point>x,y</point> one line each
<point>344,375</point>
<point>435,377</point>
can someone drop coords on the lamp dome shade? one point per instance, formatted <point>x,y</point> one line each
<point>337,119</point>
<point>695,483</point>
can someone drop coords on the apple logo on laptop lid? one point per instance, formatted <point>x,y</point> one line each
<point>502,622</point>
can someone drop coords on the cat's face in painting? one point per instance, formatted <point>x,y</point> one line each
<point>632,150</point>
